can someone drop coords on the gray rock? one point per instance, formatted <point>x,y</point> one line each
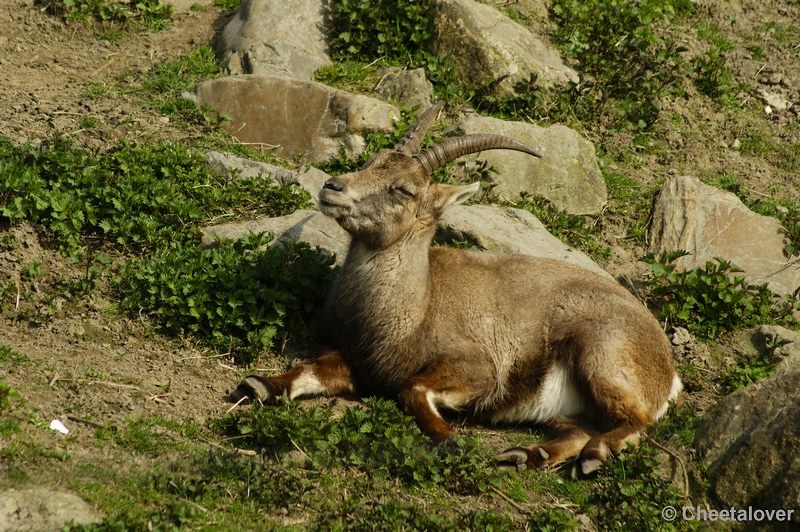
<point>275,37</point>
<point>775,101</point>
<point>43,509</point>
<point>234,167</point>
<point>780,342</point>
<point>410,87</point>
<point>306,226</point>
<point>708,222</point>
<point>486,45</point>
<point>751,442</point>
<point>506,230</point>
<point>567,175</point>
<point>299,119</point>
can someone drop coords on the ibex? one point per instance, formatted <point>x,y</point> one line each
<point>504,338</point>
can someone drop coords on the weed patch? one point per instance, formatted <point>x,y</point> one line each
<point>163,86</point>
<point>133,197</point>
<point>712,299</point>
<point>379,440</point>
<point>237,296</point>
<point>364,31</point>
<point>108,18</point>
<point>629,494</point>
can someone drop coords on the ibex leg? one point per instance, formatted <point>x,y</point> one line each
<point>327,375</point>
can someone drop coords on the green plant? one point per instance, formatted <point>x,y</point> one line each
<point>629,66</point>
<point>110,15</point>
<point>237,296</point>
<point>93,271</point>
<point>133,197</point>
<point>554,520</point>
<point>7,393</point>
<point>227,4</point>
<point>365,31</point>
<point>711,300</point>
<point>379,440</point>
<point>629,494</point>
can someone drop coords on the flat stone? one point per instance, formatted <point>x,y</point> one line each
<point>40,509</point>
<point>299,120</point>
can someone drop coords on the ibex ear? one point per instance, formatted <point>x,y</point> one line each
<point>448,195</point>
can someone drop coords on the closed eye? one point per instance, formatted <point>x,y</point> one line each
<point>403,191</point>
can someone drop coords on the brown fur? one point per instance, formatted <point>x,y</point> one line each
<point>506,338</point>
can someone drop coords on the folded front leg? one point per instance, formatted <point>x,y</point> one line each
<point>444,385</point>
<point>327,375</point>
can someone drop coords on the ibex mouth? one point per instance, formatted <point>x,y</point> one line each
<point>331,208</point>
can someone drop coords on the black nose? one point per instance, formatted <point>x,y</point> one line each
<point>333,184</point>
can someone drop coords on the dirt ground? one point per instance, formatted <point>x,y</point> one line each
<point>90,366</point>
<point>85,361</point>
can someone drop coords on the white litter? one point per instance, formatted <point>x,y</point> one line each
<point>56,424</point>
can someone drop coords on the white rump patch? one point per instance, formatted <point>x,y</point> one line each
<point>676,388</point>
<point>558,397</point>
<point>307,384</point>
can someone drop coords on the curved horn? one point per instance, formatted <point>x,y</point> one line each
<point>411,141</point>
<point>452,148</point>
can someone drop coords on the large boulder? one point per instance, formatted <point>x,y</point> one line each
<point>486,46</point>
<point>751,443</point>
<point>708,223</point>
<point>567,174</point>
<point>507,230</point>
<point>275,37</point>
<point>298,119</point>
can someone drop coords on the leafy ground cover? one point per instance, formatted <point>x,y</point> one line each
<point>113,319</point>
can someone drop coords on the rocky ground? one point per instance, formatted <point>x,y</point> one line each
<point>88,362</point>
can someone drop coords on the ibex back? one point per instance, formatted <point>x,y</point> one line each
<point>505,338</point>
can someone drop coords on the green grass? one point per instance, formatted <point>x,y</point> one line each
<point>161,87</point>
<point>110,19</point>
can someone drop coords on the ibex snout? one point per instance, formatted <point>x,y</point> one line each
<point>334,184</point>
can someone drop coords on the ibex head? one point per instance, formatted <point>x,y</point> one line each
<point>394,192</point>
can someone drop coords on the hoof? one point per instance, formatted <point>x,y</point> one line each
<point>590,465</point>
<point>250,388</point>
<point>517,458</point>
<point>585,468</point>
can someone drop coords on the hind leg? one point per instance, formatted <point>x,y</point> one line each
<point>628,419</point>
<point>567,442</point>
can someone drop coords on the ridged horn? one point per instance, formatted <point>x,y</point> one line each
<point>452,148</point>
<point>411,141</point>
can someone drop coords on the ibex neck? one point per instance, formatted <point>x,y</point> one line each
<point>387,288</point>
